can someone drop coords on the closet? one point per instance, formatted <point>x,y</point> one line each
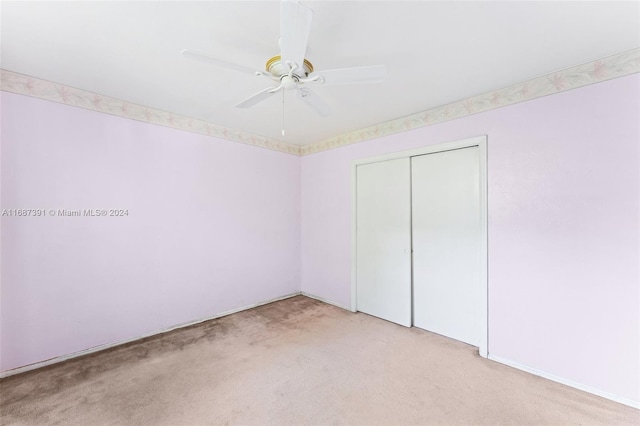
<point>420,231</point>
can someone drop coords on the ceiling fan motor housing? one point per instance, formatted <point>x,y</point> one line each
<point>277,67</point>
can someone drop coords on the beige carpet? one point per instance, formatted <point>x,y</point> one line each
<point>296,362</point>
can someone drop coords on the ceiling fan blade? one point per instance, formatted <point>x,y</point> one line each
<point>295,25</point>
<point>256,98</point>
<point>314,101</point>
<point>370,74</point>
<point>202,57</point>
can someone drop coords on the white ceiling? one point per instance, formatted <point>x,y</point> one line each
<point>435,53</point>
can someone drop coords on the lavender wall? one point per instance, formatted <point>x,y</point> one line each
<point>213,225</point>
<point>563,229</point>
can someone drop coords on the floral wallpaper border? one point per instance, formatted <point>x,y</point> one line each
<point>610,67</point>
<point>43,89</point>
<point>607,68</point>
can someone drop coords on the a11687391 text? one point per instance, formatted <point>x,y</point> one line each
<point>65,212</point>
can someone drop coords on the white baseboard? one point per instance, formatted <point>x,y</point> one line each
<point>98,348</point>
<point>322,299</point>
<point>571,383</point>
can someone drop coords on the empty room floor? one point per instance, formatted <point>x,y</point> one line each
<point>296,361</point>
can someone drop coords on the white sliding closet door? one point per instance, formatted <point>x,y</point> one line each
<point>446,243</point>
<point>383,235</point>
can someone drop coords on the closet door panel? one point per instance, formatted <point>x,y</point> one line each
<point>446,237</point>
<point>383,233</point>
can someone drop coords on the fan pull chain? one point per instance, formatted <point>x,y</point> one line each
<point>283,113</point>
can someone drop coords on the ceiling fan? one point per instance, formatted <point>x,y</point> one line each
<point>290,70</point>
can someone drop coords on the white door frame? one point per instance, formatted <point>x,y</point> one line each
<point>481,143</point>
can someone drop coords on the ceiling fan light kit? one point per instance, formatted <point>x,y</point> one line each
<point>290,70</point>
